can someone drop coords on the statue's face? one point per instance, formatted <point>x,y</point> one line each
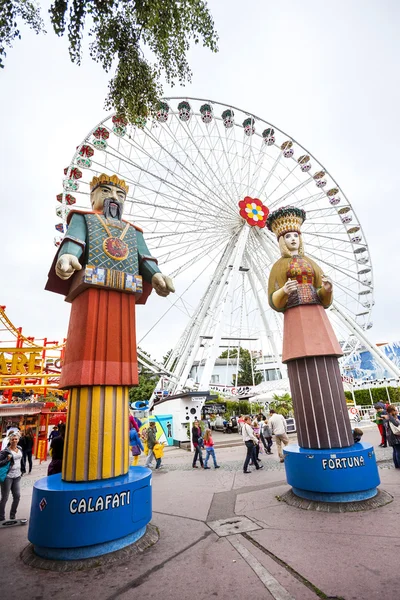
<point>292,241</point>
<point>103,192</point>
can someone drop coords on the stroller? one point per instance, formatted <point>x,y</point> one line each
<point>231,426</point>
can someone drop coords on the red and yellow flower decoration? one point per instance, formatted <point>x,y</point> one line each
<point>253,211</point>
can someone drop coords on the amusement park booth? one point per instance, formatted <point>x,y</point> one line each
<point>35,416</point>
<point>184,408</point>
<point>24,416</point>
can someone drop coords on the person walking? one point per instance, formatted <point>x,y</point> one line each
<point>381,412</point>
<point>393,433</point>
<point>209,446</point>
<point>261,422</point>
<point>10,431</point>
<point>257,431</point>
<point>197,439</point>
<point>278,427</point>
<point>250,441</point>
<point>54,433</point>
<point>57,450</point>
<point>240,423</point>
<point>26,443</point>
<point>158,451</point>
<point>11,455</point>
<point>267,436</point>
<point>133,423</point>
<point>136,446</point>
<point>151,442</point>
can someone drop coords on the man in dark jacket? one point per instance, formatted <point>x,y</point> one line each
<point>392,427</point>
<point>57,448</point>
<point>151,442</point>
<point>197,439</point>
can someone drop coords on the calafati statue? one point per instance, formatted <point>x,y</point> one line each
<point>298,288</point>
<point>104,268</point>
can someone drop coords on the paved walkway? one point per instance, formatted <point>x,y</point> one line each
<point>265,550</point>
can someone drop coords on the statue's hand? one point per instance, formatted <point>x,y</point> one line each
<point>66,266</point>
<point>162,284</point>
<point>290,286</point>
<point>327,284</point>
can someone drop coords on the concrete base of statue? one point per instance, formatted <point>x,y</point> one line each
<point>72,521</point>
<point>332,475</point>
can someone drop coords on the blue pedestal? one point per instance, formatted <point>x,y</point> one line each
<point>334,475</point>
<point>71,521</point>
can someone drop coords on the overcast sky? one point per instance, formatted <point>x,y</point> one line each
<point>324,72</point>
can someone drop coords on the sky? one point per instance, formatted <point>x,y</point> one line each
<point>325,73</point>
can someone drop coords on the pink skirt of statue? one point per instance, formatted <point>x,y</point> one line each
<point>307,331</point>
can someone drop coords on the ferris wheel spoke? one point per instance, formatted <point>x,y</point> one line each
<point>335,267</point>
<point>291,192</point>
<point>244,177</point>
<point>197,231</point>
<point>289,173</point>
<point>256,175</point>
<point>333,251</point>
<point>192,182</point>
<point>196,148</point>
<point>180,199</point>
<point>193,177</point>
<point>270,174</point>
<point>158,178</point>
<point>333,228</point>
<point>228,146</point>
<point>220,175</point>
<point>345,306</point>
<point>186,250</point>
<point>330,210</point>
<point>311,199</point>
<point>173,304</point>
<point>172,245</point>
<point>330,237</point>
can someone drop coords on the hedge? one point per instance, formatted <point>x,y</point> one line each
<point>379,394</point>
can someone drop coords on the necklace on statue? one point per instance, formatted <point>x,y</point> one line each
<point>114,247</point>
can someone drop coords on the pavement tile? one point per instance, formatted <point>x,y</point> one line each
<point>232,525</point>
<point>272,471</point>
<point>288,581</point>
<point>288,519</point>
<point>210,569</point>
<point>249,502</point>
<point>339,564</point>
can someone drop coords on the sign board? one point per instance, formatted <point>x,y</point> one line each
<point>199,398</point>
<point>140,405</point>
<point>14,361</point>
<point>212,409</point>
<point>42,450</point>
<point>243,391</point>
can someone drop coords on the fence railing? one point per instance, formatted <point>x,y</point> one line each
<point>364,414</point>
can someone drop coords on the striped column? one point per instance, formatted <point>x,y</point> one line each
<point>97,434</point>
<point>319,403</point>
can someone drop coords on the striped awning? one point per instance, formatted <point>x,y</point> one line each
<point>13,410</point>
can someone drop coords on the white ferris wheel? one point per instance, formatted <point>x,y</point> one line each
<point>187,170</point>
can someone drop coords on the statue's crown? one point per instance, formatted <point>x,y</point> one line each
<point>108,180</point>
<point>286,219</point>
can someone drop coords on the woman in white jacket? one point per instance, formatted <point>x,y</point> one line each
<point>251,443</point>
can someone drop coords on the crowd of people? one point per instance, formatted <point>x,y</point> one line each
<point>257,435</point>
<point>387,420</point>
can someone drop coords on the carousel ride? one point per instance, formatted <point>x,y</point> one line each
<point>202,177</point>
<point>28,366</point>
